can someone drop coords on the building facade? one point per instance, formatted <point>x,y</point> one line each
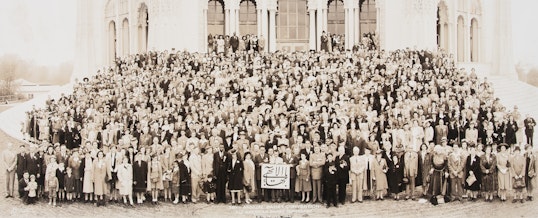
<point>477,32</point>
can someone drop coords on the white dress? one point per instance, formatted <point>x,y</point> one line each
<point>125,179</point>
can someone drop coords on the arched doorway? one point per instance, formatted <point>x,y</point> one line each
<point>367,17</point>
<point>336,17</point>
<point>442,26</point>
<point>143,28</point>
<point>126,44</point>
<point>248,23</point>
<point>461,47</point>
<point>474,40</point>
<point>111,42</point>
<point>215,17</point>
<point>292,25</point>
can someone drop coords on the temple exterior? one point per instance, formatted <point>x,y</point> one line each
<point>477,32</point>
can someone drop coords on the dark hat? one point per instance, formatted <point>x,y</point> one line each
<point>517,148</point>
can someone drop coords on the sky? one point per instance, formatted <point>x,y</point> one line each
<point>44,31</point>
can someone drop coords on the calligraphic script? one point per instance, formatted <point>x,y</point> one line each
<point>275,176</point>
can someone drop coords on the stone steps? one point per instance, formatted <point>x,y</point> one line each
<point>513,92</point>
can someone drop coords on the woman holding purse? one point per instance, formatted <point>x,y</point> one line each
<point>517,170</point>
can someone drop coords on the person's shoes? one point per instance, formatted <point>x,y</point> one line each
<point>522,201</point>
<point>514,201</point>
<point>328,206</point>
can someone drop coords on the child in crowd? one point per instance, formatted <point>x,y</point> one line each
<point>167,177</point>
<point>53,186</point>
<point>31,188</point>
<point>69,184</point>
<point>60,175</point>
<point>174,181</point>
<point>210,188</point>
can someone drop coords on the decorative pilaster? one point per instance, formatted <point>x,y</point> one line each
<point>205,34</point>
<point>272,8</point>
<point>349,24</point>
<point>356,19</point>
<point>272,30</point>
<point>467,40</point>
<point>312,42</point>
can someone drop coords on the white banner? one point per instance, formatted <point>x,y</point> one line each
<point>275,176</point>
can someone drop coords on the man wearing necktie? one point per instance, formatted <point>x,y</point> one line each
<point>410,171</point>
<point>220,166</point>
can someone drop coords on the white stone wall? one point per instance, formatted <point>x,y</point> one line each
<point>181,24</point>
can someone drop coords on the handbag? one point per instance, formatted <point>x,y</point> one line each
<point>440,199</point>
<point>471,180</point>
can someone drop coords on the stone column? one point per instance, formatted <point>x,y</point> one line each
<point>324,17</point>
<point>265,28</point>
<point>312,28</point>
<point>357,24</point>
<point>259,21</point>
<point>350,17</point>
<point>467,40</point>
<point>272,30</point>
<point>204,30</point>
<point>319,27</point>
<point>347,22</point>
<point>227,21</point>
<point>237,21</point>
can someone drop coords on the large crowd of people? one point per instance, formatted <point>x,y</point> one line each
<point>196,127</point>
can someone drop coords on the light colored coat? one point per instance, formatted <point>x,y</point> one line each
<point>125,178</point>
<point>410,164</point>
<point>317,161</point>
<point>456,166</point>
<point>248,174</point>
<point>101,172</point>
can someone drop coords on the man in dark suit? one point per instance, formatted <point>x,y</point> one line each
<point>23,182</point>
<point>33,164</point>
<point>220,167</point>
<point>261,158</point>
<point>21,161</point>
<point>441,131</point>
<point>234,42</point>
<point>292,160</point>
<point>529,129</point>
<point>330,175</point>
<point>342,163</point>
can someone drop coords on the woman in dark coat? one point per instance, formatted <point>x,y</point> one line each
<point>395,176</point>
<point>140,177</point>
<point>472,168</point>
<point>235,176</point>
<point>185,178</point>
<point>511,129</point>
<point>488,167</point>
